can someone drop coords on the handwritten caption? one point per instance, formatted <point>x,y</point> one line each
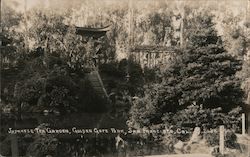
<point>75,130</point>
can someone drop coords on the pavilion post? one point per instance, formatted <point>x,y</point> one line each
<point>221,142</point>
<point>243,123</point>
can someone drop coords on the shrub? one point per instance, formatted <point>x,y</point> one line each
<point>195,115</point>
<point>44,144</point>
<point>168,141</point>
<point>5,148</point>
<point>29,90</point>
<point>208,120</point>
<point>212,139</point>
<point>231,140</point>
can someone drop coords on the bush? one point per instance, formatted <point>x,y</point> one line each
<point>169,140</point>
<point>44,144</point>
<point>30,90</point>
<point>195,115</point>
<point>212,139</point>
<point>143,112</point>
<point>5,148</point>
<point>231,140</point>
<point>60,91</point>
<point>209,121</point>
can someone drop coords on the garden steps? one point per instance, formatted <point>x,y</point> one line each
<point>97,84</point>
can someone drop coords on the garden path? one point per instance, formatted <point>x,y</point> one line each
<point>182,155</point>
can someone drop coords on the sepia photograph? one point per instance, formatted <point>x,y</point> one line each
<point>124,78</point>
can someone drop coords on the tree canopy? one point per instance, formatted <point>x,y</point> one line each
<point>204,72</point>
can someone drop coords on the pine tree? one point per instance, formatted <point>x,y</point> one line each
<point>204,72</point>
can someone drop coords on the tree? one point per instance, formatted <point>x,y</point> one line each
<point>143,112</point>
<point>234,34</point>
<point>204,72</point>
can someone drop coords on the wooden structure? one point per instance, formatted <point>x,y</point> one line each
<point>152,56</point>
<point>92,32</point>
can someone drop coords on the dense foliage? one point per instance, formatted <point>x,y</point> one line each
<point>195,115</point>
<point>55,87</point>
<point>43,145</point>
<point>124,75</point>
<point>230,139</point>
<point>204,74</point>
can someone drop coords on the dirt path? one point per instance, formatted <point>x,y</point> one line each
<point>182,155</point>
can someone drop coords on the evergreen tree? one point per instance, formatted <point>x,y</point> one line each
<point>204,72</point>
